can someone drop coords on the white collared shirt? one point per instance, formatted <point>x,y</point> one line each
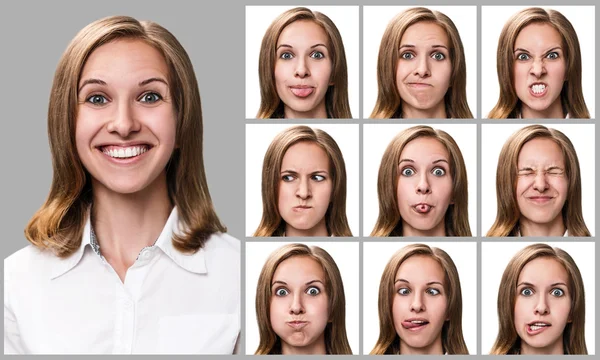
<point>170,302</point>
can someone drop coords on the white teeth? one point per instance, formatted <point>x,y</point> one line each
<point>537,326</point>
<point>124,153</point>
<point>538,89</point>
<point>418,322</point>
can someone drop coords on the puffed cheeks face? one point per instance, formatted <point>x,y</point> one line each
<point>303,69</point>
<point>424,187</point>
<point>299,308</point>
<point>542,306</point>
<point>539,70</point>
<point>305,189</point>
<point>424,67</point>
<point>542,183</point>
<point>125,127</point>
<point>420,304</point>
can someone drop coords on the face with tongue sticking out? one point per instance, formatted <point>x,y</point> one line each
<point>419,305</point>
<point>303,69</point>
<point>125,127</point>
<point>542,306</point>
<point>424,187</point>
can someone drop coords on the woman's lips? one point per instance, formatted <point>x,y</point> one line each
<point>540,200</point>
<point>301,208</point>
<point>297,325</point>
<point>537,327</point>
<point>302,91</point>
<point>414,325</point>
<point>538,89</point>
<point>422,208</point>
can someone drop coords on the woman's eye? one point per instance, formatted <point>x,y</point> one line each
<point>313,291</point>
<point>557,292</point>
<point>527,292</point>
<point>286,56</point>
<point>317,55</point>
<point>408,172</point>
<point>553,55</point>
<point>407,56</point>
<point>318,178</point>
<point>432,291</point>
<point>438,56</point>
<point>281,292</point>
<point>404,291</point>
<point>150,98</point>
<point>522,57</point>
<point>287,178</point>
<point>438,171</point>
<point>97,99</point>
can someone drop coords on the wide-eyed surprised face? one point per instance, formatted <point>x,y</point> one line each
<point>303,69</point>
<point>542,306</point>
<point>299,308</point>
<point>419,305</point>
<point>424,187</point>
<point>125,127</point>
<point>423,70</point>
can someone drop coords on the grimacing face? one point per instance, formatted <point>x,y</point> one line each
<point>125,126</point>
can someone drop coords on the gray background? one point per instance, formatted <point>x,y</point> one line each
<point>33,36</point>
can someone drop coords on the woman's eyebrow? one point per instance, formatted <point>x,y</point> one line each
<point>439,161</point>
<point>91,81</point>
<point>151,80</point>
<point>314,281</point>
<point>526,284</point>
<point>278,282</point>
<point>319,44</point>
<point>520,49</point>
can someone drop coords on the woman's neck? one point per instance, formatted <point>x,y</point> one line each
<point>554,228</point>
<point>126,223</point>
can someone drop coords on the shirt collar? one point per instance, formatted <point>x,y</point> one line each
<point>195,262</point>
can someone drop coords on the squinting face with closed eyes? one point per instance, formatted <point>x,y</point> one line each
<point>419,305</point>
<point>423,70</point>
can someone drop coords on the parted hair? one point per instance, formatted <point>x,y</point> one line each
<point>336,340</point>
<point>508,341</point>
<point>571,96</point>
<point>389,102</point>
<point>389,221</point>
<point>453,341</point>
<point>271,223</point>
<point>508,213</point>
<point>58,224</point>
<point>336,97</point>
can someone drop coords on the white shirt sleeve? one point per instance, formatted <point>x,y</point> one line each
<point>12,337</point>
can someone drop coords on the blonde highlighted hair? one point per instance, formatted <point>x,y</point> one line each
<point>272,224</point>
<point>336,97</point>
<point>58,224</point>
<point>571,96</point>
<point>508,341</point>
<point>508,213</point>
<point>389,102</point>
<point>336,341</point>
<point>453,341</point>
<point>389,221</point>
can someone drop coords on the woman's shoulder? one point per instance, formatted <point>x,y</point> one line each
<point>223,243</point>
<point>28,258</point>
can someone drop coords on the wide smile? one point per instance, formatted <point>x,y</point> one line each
<point>537,327</point>
<point>302,91</point>
<point>124,154</point>
<point>415,325</point>
<point>538,89</point>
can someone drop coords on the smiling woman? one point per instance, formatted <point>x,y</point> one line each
<point>421,70</point>
<point>538,186</point>
<point>303,186</point>
<point>302,68</point>
<point>422,186</point>
<point>129,224</point>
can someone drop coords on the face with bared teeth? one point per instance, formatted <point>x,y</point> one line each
<point>542,306</point>
<point>419,305</point>
<point>125,127</point>
<point>539,70</point>
<point>542,182</point>
<point>424,187</point>
<point>303,69</point>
